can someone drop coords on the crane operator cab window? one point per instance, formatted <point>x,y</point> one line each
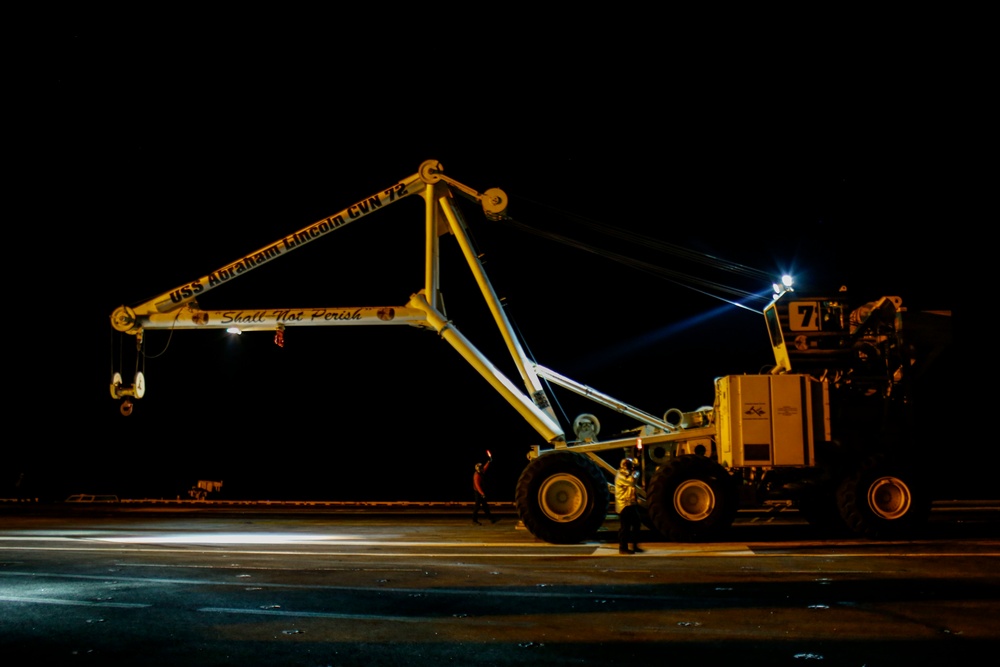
<point>804,329</point>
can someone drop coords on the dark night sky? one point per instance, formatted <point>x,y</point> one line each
<point>164,159</point>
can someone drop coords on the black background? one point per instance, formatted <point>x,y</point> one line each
<point>152,159</point>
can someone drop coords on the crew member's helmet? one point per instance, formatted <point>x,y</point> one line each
<point>627,464</point>
<point>479,467</point>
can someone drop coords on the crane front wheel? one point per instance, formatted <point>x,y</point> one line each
<point>562,497</point>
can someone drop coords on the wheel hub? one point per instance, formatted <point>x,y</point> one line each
<point>694,500</point>
<point>562,498</point>
<point>889,498</point>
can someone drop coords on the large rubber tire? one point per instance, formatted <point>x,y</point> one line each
<point>881,500</point>
<point>692,498</point>
<point>562,497</point>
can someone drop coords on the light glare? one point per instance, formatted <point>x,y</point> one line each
<point>224,538</point>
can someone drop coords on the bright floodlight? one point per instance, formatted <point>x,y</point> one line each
<point>234,330</point>
<point>785,286</point>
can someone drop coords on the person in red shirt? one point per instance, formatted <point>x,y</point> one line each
<point>479,492</point>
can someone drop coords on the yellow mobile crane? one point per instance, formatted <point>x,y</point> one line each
<point>828,428</point>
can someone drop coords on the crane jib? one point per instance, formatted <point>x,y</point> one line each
<point>185,293</point>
